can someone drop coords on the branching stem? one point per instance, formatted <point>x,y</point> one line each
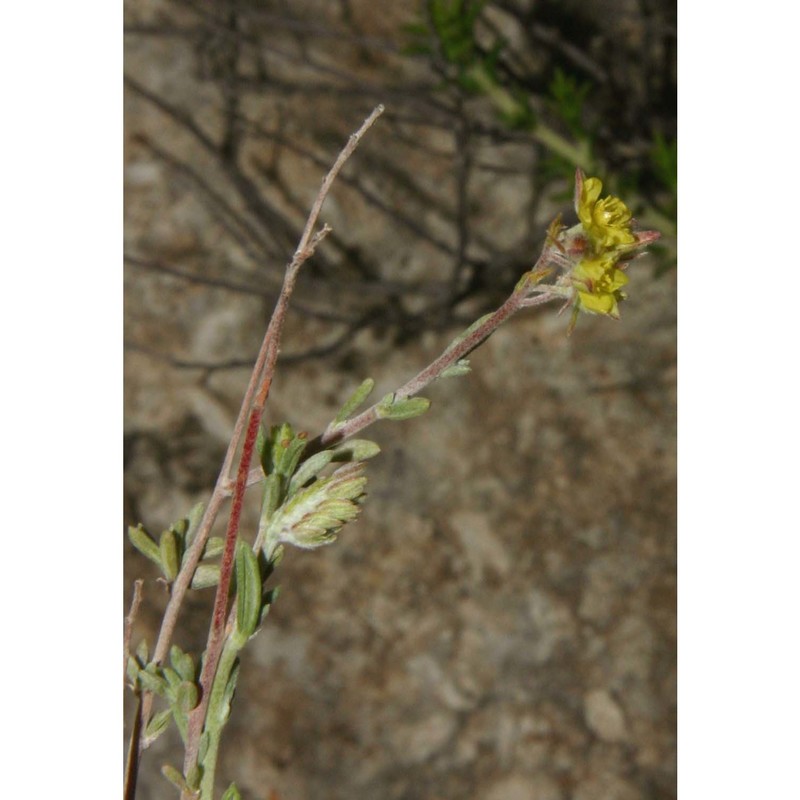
<point>344,430</point>
<point>251,409</point>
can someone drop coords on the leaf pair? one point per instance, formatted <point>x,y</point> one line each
<point>176,683</point>
<point>169,551</point>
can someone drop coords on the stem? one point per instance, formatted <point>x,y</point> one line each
<point>338,432</point>
<point>129,620</point>
<point>215,635</point>
<point>254,400</point>
<point>215,716</point>
<point>577,154</point>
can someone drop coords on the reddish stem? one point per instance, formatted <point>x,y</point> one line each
<point>217,632</point>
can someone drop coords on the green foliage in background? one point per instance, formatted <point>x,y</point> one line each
<point>472,60</point>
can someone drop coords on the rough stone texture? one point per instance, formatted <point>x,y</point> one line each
<point>500,622</point>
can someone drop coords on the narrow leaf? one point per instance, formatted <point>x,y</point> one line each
<point>355,450</point>
<point>174,777</point>
<point>248,590</point>
<point>205,575</point>
<point>152,682</point>
<point>285,448</point>
<point>472,328</point>
<point>404,409</point>
<point>170,560</point>
<point>173,679</point>
<point>180,527</point>
<point>195,517</point>
<point>202,749</point>
<point>227,697</point>
<point>193,777</point>
<point>157,725</point>
<point>277,556</point>
<point>269,598</point>
<point>214,547</point>
<point>355,400</point>
<point>182,662</point>
<point>144,543</point>
<point>308,470</point>
<point>461,367</point>
<point>264,450</point>
<point>186,697</point>
<point>231,793</point>
<point>132,671</point>
<point>273,497</point>
<point>142,652</point>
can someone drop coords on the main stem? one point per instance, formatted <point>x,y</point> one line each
<point>251,408</point>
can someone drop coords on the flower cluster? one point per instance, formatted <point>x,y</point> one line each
<point>594,254</point>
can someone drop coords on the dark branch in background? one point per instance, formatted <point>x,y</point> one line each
<point>267,54</point>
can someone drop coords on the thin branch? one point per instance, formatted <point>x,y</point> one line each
<point>129,620</point>
<point>255,397</point>
<point>186,120</point>
<point>243,288</point>
<point>337,432</point>
<point>242,229</point>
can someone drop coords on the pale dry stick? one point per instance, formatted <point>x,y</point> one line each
<point>131,763</point>
<point>260,381</point>
<point>344,430</point>
<point>129,620</point>
<point>216,635</point>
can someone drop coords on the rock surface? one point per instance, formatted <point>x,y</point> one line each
<point>500,621</point>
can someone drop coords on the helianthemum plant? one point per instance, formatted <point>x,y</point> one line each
<point>311,488</point>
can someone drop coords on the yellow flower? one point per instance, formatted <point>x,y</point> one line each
<point>607,222</point>
<point>599,282</point>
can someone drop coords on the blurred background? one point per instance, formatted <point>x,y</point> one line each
<point>500,621</point>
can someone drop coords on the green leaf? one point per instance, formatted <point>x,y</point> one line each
<point>264,450</point>
<point>144,543</point>
<point>248,590</point>
<point>180,527</point>
<point>269,598</point>
<point>132,671</point>
<point>461,367</point>
<point>214,547</point>
<point>157,725</point>
<point>389,408</point>
<point>182,662</point>
<point>272,498</point>
<point>568,98</point>
<point>472,328</point>
<point>308,470</point>
<point>181,722</point>
<point>151,681</point>
<point>195,517</point>
<point>193,777</point>
<point>142,652</point>
<point>202,749</point>
<point>281,450</point>
<point>205,575</point>
<point>355,450</point>
<point>174,777</point>
<point>170,559</point>
<point>231,793</point>
<point>173,679</point>
<point>227,697</point>
<point>355,400</point>
<point>186,697</point>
